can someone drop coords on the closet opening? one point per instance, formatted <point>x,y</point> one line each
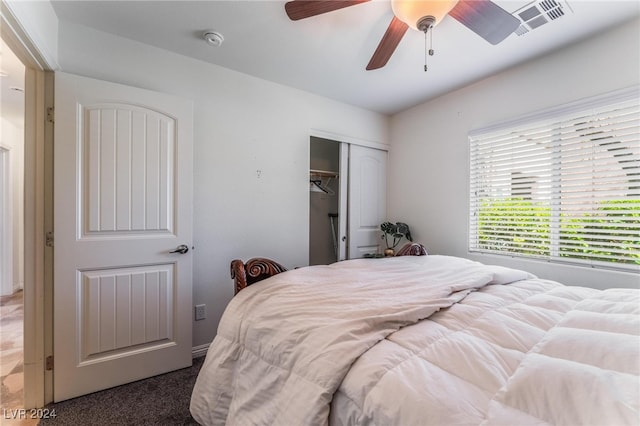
<point>324,201</point>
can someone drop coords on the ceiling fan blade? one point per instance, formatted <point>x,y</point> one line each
<point>388,44</point>
<point>485,18</point>
<point>300,9</point>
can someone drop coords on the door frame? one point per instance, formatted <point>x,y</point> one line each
<point>38,220</point>
<point>6,222</point>
<point>345,143</point>
<point>322,134</point>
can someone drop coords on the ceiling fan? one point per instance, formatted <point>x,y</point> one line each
<point>483,17</point>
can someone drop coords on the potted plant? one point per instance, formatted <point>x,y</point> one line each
<point>392,234</point>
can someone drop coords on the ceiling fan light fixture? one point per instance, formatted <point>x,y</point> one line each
<point>425,23</point>
<point>412,12</point>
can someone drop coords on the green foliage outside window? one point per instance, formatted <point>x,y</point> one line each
<point>514,225</point>
<point>524,226</point>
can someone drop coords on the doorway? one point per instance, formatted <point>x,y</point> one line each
<point>12,137</point>
<point>37,213</point>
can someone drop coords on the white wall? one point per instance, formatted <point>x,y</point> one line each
<point>12,140</point>
<point>430,144</point>
<point>251,152</point>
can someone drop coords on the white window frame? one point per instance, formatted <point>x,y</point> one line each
<point>485,145</point>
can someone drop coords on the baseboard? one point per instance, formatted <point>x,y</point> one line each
<point>198,351</point>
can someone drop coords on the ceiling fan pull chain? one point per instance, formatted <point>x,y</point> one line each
<point>431,42</point>
<point>425,51</point>
<point>430,51</point>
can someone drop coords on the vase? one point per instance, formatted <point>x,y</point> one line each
<point>388,252</point>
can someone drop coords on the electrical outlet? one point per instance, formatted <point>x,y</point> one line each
<point>201,312</point>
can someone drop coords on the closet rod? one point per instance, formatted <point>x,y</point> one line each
<point>323,173</point>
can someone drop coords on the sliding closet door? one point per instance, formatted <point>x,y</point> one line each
<point>343,201</point>
<point>367,199</point>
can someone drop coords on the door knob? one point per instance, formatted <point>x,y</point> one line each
<point>182,249</point>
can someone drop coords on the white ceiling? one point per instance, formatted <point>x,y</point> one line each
<point>327,54</point>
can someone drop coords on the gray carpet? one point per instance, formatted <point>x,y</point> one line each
<point>160,400</point>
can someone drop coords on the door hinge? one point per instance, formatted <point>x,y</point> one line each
<point>48,364</point>
<point>50,115</point>
<point>48,239</point>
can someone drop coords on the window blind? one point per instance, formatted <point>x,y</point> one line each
<point>563,185</point>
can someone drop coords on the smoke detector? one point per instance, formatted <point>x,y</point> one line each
<point>539,13</point>
<point>214,38</point>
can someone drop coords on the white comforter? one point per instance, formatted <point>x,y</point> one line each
<point>322,344</point>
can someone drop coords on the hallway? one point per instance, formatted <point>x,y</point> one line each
<point>11,356</point>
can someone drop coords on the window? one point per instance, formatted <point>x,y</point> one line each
<point>562,185</point>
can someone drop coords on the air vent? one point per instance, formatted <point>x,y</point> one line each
<point>552,8</point>
<point>539,13</point>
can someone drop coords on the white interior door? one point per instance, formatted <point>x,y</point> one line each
<point>367,199</point>
<point>122,202</point>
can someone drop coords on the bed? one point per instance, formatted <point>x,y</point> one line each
<point>419,340</point>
